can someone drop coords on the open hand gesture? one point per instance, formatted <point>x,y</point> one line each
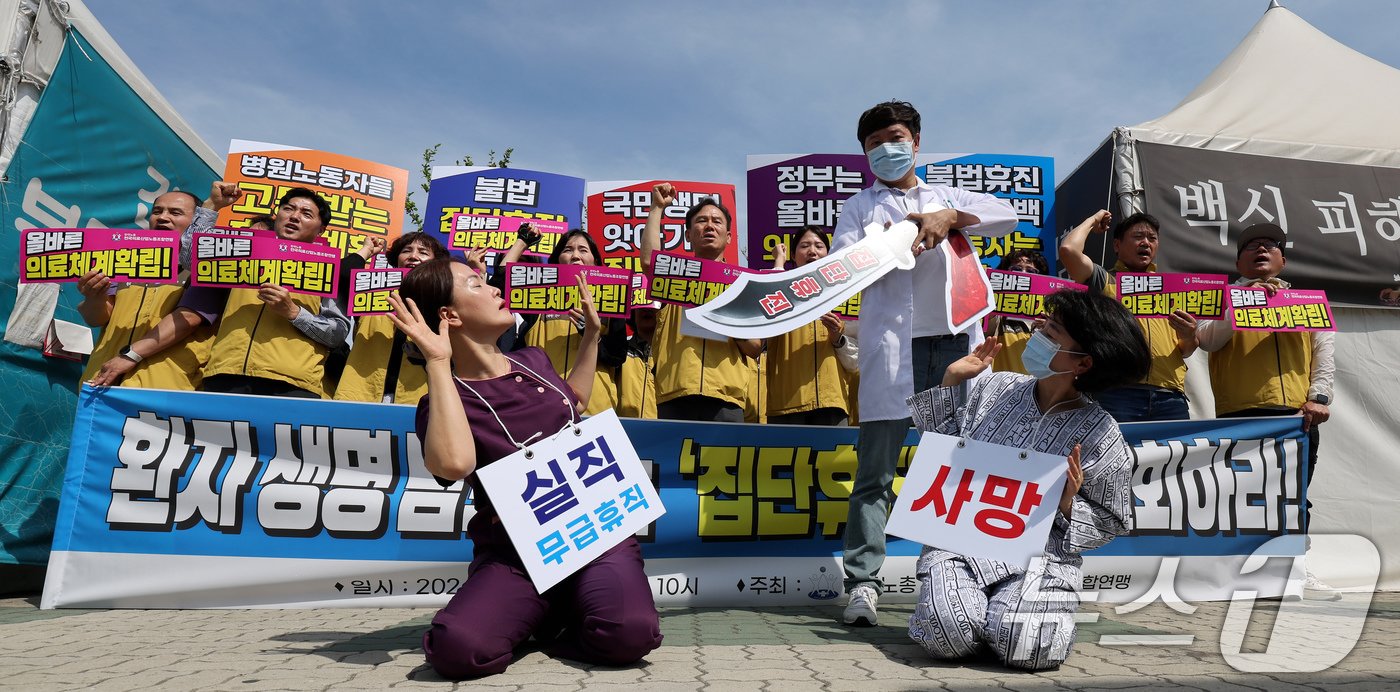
<point>1073,482</point>
<point>969,366</point>
<point>435,346</point>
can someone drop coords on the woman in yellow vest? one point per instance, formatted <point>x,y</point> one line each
<point>560,335</point>
<point>1010,332</point>
<point>806,383</point>
<point>379,368</point>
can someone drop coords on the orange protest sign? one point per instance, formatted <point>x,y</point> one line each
<point>366,198</point>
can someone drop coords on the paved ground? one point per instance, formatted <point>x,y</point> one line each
<point>717,649</point>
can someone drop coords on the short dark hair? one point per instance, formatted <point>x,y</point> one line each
<point>1011,258</point>
<point>564,240</point>
<point>322,205</point>
<point>264,219</point>
<point>193,197</point>
<point>882,115</point>
<point>815,230</point>
<point>426,239</point>
<point>1134,220</point>
<point>1106,331</point>
<point>429,286</point>
<point>711,201</point>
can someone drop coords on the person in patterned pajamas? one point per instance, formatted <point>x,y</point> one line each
<point>1024,614</point>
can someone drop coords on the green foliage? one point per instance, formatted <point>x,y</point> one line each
<point>429,154</point>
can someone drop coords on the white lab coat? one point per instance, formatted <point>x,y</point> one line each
<point>890,318</point>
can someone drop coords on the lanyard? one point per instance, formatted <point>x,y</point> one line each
<point>573,412</point>
<point>1035,431</point>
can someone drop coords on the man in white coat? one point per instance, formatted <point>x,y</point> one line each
<point>905,339</point>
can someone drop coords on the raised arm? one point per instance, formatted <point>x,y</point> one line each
<point>449,451</point>
<point>661,197</point>
<point>1078,264</point>
<point>586,362</point>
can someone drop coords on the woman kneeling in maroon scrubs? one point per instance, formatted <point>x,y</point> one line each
<point>482,406</point>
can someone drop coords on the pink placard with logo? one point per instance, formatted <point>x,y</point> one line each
<point>370,289</point>
<point>1287,310</point>
<point>54,255</point>
<point>1023,295</point>
<point>497,234</point>
<point>1159,295</point>
<point>232,258</point>
<point>552,289</point>
<point>689,281</point>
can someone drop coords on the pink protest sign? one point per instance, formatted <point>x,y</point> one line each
<point>551,289</point>
<point>53,255</point>
<point>370,289</point>
<point>497,233</point>
<point>1159,295</point>
<point>231,258</point>
<point>1287,310</point>
<point>690,281</point>
<point>1023,295</point>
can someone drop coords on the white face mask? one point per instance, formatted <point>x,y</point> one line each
<point>1040,350</point>
<point>891,160</point>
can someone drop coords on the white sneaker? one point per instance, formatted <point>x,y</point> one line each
<point>1318,590</point>
<point>860,609</point>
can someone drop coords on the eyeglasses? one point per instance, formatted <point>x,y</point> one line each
<point>1265,243</point>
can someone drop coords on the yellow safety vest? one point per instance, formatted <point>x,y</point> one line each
<point>803,373</point>
<point>636,388</point>
<point>1262,370</point>
<point>368,365</point>
<point>257,342</point>
<point>560,339</point>
<point>689,365</point>
<point>136,310</point>
<point>1168,366</point>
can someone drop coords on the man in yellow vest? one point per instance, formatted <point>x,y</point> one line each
<point>1270,373</point>
<point>270,341</point>
<point>1162,396</point>
<point>696,379</point>
<point>126,312</point>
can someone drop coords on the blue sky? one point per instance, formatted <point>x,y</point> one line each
<point>610,90</point>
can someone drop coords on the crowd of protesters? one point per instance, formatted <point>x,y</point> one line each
<point>1085,366</point>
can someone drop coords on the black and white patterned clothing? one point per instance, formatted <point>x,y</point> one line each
<point>1026,617</point>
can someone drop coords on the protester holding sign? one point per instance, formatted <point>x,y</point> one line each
<point>1162,394</point>
<point>560,336</point>
<point>807,384</point>
<point>636,379</point>
<point>379,368</point>
<point>1263,373</point>
<point>1024,613</point>
<point>482,406</point>
<point>1013,333</point>
<point>270,341</point>
<point>696,379</point>
<point>905,344</point>
<point>126,312</point>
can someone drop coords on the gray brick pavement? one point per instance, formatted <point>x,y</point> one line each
<point>714,649</point>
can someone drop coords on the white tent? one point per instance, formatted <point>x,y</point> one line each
<point>1288,90</point>
<point>85,141</point>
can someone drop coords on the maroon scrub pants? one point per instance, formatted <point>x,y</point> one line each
<point>604,613</point>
